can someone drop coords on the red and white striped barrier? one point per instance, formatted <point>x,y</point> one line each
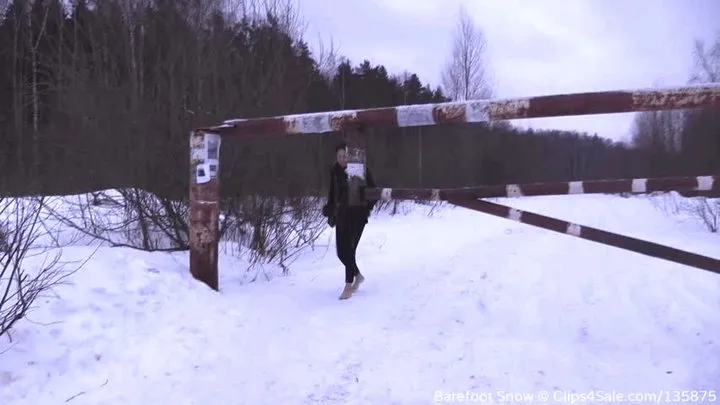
<point>635,186</point>
<point>204,142</point>
<point>593,234</point>
<point>477,111</point>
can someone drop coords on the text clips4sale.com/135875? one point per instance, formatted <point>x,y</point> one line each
<point>568,397</point>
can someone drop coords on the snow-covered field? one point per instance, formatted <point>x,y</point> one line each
<point>457,303</point>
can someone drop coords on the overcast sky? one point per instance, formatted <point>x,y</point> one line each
<point>535,47</point>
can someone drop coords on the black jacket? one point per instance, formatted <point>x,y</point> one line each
<point>337,202</point>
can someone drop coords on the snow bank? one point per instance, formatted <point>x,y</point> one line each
<point>456,302</point>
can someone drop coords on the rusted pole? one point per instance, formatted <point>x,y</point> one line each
<point>634,186</point>
<point>593,234</point>
<point>204,207</point>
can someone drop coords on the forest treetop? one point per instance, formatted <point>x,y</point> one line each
<point>103,94</point>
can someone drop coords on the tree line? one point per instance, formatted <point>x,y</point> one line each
<point>103,95</point>
<point>684,142</point>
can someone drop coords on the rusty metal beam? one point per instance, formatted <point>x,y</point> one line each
<point>593,234</point>
<point>477,111</point>
<point>635,186</point>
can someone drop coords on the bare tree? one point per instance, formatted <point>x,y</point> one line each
<point>699,136</point>
<point>465,75</point>
<point>183,85</point>
<point>21,284</point>
<point>328,59</point>
<point>704,210</point>
<point>658,130</point>
<point>287,15</point>
<point>707,62</point>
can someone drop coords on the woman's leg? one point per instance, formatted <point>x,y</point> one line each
<point>343,245</point>
<point>357,231</point>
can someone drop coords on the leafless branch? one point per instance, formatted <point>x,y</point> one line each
<point>466,75</point>
<point>20,283</point>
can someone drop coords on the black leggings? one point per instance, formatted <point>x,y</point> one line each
<point>348,230</point>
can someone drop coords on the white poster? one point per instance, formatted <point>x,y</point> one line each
<point>356,163</point>
<point>210,161</point>
<point>356,175</point>
<point>212,149</point>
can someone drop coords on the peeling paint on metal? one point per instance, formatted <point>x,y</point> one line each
<point>317,123</point>
<point>415,115</point>
<point>454,112</point>
<point>341,119</point>
<point>477,111</point>
<point>675,97</point>
<point>508,109</point>
<point>203,221</point>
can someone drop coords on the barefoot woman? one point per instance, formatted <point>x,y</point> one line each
<point>347,210</point>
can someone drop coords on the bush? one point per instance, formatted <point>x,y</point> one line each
<point>705,210</point>
<point>20,287</point>
<point>702,209</point>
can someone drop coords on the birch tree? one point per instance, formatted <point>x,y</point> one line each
<point>707,62</point>
<point>465,75</point>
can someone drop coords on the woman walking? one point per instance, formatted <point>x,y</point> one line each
<point>348,211</point>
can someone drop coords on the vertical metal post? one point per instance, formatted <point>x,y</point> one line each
<point>204,207</point>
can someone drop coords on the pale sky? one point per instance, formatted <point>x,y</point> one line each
<point>535,47</point>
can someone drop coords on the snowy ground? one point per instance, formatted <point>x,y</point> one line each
<point>459,302</point>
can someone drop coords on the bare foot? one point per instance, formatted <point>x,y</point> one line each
<point>359,279</point>
<point>347,291</point>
